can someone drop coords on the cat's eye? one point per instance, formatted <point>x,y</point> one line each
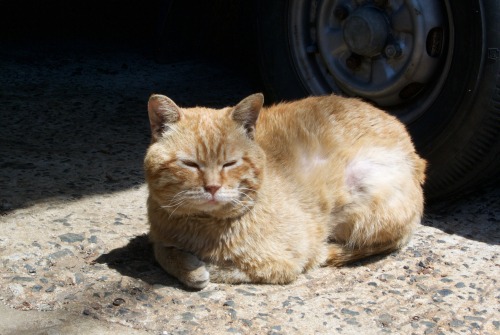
<point>190,164</point>
<point>229,164</point>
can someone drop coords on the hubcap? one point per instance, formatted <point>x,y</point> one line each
<point>365,31</point>
<point>389,52</point>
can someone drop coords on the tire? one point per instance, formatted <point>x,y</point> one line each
<point>447,90</point>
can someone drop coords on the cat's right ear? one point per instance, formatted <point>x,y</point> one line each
<point>162,111</point>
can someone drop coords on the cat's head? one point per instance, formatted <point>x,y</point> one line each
<point>204,161</point>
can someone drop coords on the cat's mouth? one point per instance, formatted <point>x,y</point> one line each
<point>211,202</point>
<point>204,201</point>
<point>214,202</point>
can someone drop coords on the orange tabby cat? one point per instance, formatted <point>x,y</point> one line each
<point>253,194</point>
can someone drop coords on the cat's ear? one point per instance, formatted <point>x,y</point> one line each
<point>162,112</point>
<point>247,112</point>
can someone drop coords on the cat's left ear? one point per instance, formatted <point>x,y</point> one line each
<point>247,112</point>
<point>162,111</point>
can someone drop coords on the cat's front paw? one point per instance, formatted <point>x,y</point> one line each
<point>227,274</point>
<point>186,267</point>
<point>197,278</point>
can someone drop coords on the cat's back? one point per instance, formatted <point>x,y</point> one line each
<point>350,120</point>
<point>316,126</point>
<point>317,139</point>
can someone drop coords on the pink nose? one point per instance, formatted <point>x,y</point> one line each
<point>212,189</point>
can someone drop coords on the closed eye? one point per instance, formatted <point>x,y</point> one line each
<point>229,164</point>
<point>190,164</point>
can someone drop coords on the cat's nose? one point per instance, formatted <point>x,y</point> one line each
<point>212,189</point>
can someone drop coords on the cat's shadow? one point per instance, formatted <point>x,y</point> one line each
<point>136,260</point>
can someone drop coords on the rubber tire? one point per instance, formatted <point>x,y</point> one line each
<point>459,133</point>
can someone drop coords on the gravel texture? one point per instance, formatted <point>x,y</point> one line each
<point>73,132</point>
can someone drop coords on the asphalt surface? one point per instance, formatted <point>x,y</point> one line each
<point>74,256</point>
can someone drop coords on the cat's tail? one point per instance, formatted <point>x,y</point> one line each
<point>339,255</point>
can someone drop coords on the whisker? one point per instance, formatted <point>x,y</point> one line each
<point>248,189</point>
<point>179,194</point>
<point>245,194</point>
<point>242,189</point>
<point>174,204</point>
<point>238,202</point>
<point>175,201</point>
<point>171,213</point>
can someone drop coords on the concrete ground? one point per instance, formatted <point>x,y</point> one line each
<point>74,257</point>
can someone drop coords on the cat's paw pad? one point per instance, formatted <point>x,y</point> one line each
<point>197,278</point>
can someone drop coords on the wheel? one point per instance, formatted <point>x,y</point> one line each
<point>433,64</point>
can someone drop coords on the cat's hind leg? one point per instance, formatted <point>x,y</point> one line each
<point>385,204</point>
<point>360,236</point>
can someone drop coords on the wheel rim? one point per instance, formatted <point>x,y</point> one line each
<point>393,53</point>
